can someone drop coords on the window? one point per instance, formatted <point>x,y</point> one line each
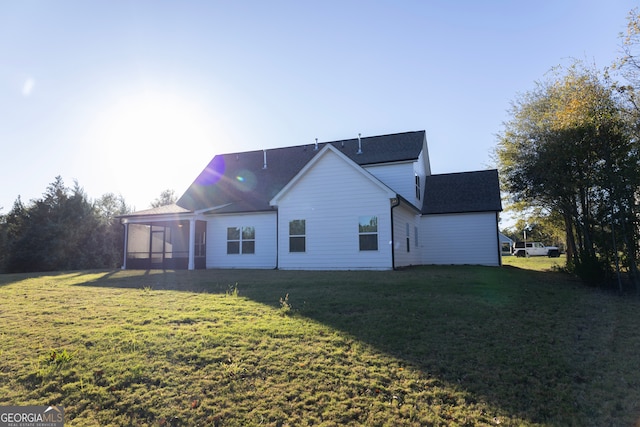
<point>408,240</point>
<point>233,240</point>
<point>241,240</point>
<point>368,233</point>
<point>297,235</point>
<point>248,240</point>
<point>418,187</point>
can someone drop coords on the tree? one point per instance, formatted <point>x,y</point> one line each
<point>63,230</point>
<point>108,207</point>
<point>568,150</point>
<point>167,197</point>
<point>629,66</point>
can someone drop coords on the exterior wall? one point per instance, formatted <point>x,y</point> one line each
<point>331,197</point>
<point>265,241</point>
<point>423,159</point>
<point>397,176</point>
<point>405,218</point>
<point>467,238</point>
<point>422,169</point>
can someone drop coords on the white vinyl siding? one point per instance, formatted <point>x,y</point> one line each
<point>331,196</point>
<point>403,217</point>
<point>467,238</point>
<point>262,226</point>
<point>399,177</point>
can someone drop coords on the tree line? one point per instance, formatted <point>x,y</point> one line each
<point>569,160</point>
<point>65,230</point>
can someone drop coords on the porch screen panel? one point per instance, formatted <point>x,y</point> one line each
<point>138,241</point>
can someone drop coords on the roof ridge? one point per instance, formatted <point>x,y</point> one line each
<point>259,150</point>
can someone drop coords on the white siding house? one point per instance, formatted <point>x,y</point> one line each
<point>367,203</point>
<point>331,195</point>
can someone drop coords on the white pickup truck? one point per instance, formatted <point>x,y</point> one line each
<point>528,249</point>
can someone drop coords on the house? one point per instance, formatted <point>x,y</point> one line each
<point>364,203</point>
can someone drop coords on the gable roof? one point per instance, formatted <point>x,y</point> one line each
<point>242,183</point>
<point>329,148</point>
<point>477,191</point>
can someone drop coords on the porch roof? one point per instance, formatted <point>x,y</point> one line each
<point>172,209</point>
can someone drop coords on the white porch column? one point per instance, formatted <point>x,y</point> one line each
<point>126,244</point>
<point>192,243</point>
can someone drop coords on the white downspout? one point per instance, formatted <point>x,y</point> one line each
<point>192,243</point>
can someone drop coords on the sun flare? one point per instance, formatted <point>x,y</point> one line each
<point>161,138</point>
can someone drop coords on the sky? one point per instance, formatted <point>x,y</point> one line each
<point>135,97</point>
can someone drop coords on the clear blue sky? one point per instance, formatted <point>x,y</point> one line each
<point>134,97</point>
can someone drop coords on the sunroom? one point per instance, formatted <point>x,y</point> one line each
<point>168,238</point>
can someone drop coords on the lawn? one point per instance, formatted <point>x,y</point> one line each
<point>421,346</point>
<point>538,263</point>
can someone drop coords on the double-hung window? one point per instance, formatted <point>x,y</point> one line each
<point>241,240</point>
<point>297,235</point>
<point>368,233</point>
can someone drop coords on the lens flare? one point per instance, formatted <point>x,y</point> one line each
<point>213,172</point>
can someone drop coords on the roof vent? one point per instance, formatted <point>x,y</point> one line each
<point>316,147</point>
<point>359,145</point>
<point>264,155</point>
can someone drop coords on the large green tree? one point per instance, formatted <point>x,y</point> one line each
<point>63,230</point>
<point>568,149</point>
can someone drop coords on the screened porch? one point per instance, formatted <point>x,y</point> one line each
<point>165,245</point>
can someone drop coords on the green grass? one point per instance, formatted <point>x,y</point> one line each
<point>538,263</point>
<point>423,346</point>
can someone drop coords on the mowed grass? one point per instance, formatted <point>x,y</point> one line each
<point>538,263</point>
<point>423,346</point>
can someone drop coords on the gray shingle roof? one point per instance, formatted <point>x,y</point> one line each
<point>477,191</point>
<point>239,179</point>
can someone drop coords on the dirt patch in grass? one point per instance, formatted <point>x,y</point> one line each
<point>421,346</point>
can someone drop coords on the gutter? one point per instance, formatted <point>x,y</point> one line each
<point>395,202</point>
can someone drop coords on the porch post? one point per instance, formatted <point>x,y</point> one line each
<point>192,243</point>
<point>126,244</point>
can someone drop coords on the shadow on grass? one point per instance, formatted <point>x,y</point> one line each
<point>7,279</point>
<point>527,342</point>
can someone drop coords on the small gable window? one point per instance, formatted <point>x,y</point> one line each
<point>241,240</point>
<point>418,191</point>
<point>368,233</point>
<point>297,235</point>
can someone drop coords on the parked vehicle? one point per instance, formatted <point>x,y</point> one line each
<point>528,249</point>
